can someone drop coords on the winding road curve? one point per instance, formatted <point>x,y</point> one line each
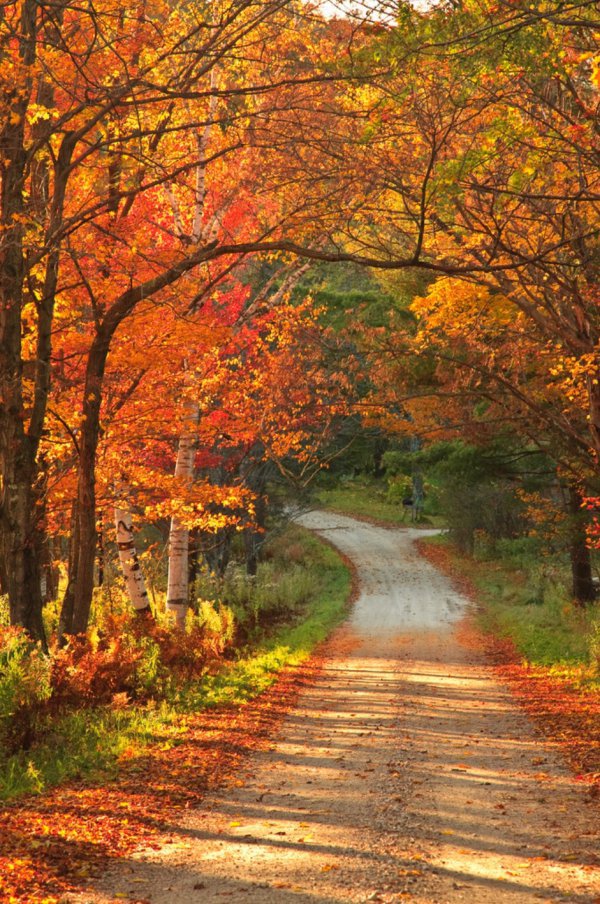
<point>405,773</point>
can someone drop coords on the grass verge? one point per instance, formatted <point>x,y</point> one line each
<point>546,651</point>
<point>367,499</point>
<point>546,628</point>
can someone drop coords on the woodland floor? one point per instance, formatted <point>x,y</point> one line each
<point>405,771</point>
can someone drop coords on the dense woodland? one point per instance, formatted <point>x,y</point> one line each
<point>247,242</point>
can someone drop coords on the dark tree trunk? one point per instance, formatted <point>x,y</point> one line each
<point>50,573</point>
<point>65,623</point>
<point>19,534</point>
<point>584,590</point>
<point>101,551</point>
<point>85,535</point>
<point>22,539</point>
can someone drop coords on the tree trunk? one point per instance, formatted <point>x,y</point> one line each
<point>584,590</point>
<point>19,536</point>
<point>65,622</point>
<point>50,572</point>
<point>80,588</point>
<point>20,543</point>
<point>101,550</point>
<point>130,563</point>
<point>177,584</point>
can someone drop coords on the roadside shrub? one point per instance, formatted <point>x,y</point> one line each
<point>277,592</point>
<point>399,488</point>
<point>187,654</point>
<point>25,688</point>
<point>138,657</point>
<point>216,626</point>
<point>91,669</point>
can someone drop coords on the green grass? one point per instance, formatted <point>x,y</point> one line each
<point>290,646</point>
<point>531,605</point>
<point>369,498</point>
<point>88,743</point>
<point>85,743</point>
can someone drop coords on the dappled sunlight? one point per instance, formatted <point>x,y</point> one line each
<point>413,769</point>
<point>490,798</point>
<point>406,772</point>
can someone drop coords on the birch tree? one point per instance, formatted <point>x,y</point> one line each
<point>177,585</point>
<point>130,563</point>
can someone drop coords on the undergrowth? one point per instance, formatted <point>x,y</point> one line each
<point>526,598</point>
<point>373,499</point>
<point>51,726</point>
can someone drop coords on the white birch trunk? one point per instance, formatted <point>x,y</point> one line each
<point>177,585</point>
<point>177,582</point>
<point>130,564</point>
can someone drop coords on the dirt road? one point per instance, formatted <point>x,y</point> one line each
<point>406,772</point>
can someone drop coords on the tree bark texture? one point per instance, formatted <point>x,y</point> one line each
<point>130,563</point>
<point>84,537</point>
<point>584,590</point>
<point>177,584</point>
<point>19,536</point>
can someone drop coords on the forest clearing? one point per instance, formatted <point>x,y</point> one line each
<point>299,450</point>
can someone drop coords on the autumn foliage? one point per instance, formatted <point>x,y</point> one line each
<point>129,660</point>
<point>169,175</point>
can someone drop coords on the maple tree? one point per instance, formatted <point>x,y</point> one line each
<point>486,153</point>
<point>254,393</point>
<point>105,173</point>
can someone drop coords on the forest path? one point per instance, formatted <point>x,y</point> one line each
<point>405,772</point>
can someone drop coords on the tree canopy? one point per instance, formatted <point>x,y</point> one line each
<point>174,176</point>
